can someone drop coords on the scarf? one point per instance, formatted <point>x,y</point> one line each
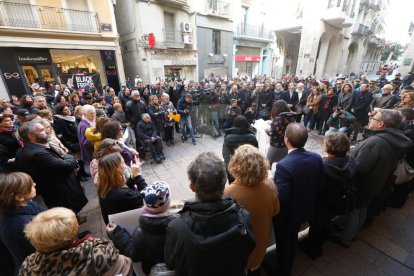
<point>8,130</point>
<point>91,123</point>
<point>71,119</point>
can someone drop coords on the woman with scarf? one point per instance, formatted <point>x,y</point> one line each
<point>166,108</point>
<point>156,113</point>
<point>88,120</point>
<point>65,128</point>
<point>9,144</point>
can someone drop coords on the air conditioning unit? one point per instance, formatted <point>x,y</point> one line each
<point>186,27</point>
<point>188,39</point>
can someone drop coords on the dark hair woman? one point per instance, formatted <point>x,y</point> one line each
<point>8,143</point>
<point>282,118</point>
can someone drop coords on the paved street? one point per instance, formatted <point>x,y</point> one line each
<point>387,248</point>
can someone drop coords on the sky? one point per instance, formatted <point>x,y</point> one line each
<point>397,20</point>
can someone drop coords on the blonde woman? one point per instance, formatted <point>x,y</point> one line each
<point>257,194</point>
<point>53,234</point>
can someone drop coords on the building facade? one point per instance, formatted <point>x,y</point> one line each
<point>323,38</point>
<point>407,62</point>
<point>214,27</point>
<point>252,38</point>
<point>158,39</point>
<point>58,41</point>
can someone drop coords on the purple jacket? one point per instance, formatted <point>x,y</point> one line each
<point>86,146</point>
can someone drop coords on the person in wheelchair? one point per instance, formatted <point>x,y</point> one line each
<point>147,134</point>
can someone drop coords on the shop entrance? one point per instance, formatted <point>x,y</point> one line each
<point>173,72</point>
<point>38,75</point>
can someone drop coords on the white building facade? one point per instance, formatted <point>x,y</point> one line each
<point>407,62</point>
<point>323,38</point>
<point>171,53</point>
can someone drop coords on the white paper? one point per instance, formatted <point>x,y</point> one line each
<point>128,219</point>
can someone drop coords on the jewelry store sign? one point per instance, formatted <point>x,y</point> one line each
<point>173,59</point>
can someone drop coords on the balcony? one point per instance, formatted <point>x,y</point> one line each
<point>26,16</point>
<point>179,3</point>
<point>218,8</point>
<point>369,5</point>
<point>362,30</point>
<point>338,14</point>
<point>172,39</point>
<point>253,32</point>
<point>373,40</point>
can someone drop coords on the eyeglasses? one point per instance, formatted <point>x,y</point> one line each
<point>375,119</point>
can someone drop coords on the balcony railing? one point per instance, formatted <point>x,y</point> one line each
<point>175,2</point>
<point>363,30</point>
<point>47,18</point>
<point>253,31</point>
<point>172,39</point>
<point>218,8</point>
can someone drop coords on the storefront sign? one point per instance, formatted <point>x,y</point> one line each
<point>248,58</point>
<point>106,27</point>
<point>173,59</point>
<point>33,57</point>
<point>217,59</point>
<point>81,80</point>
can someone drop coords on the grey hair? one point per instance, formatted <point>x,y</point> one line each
<point>144,115</point>
<point>87,108</point>
<point>208,175</point>
<point>391,118</point>
<point>27,128</point>
<point>38,98</point>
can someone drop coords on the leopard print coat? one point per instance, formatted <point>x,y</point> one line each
<point>94,256</point>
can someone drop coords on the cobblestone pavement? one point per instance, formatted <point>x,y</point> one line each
<point>384,249</point>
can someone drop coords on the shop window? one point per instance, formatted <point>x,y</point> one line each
<point>216,42</point>
<point>78,61</point>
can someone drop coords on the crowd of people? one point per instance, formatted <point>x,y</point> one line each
<point>47,140</point>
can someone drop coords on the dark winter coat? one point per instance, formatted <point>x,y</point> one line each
<point>146,130</point>
<point>361,103</point>
<point>10,145</point>
<point>345,101</point>
<point>183,105</point>
<point>235,137</point>
<point>123,199</point>
<point>54,176</point>
<point>377,157</point>
<point>67,128</point>
<point>146,244</point>
<point>12,237</point>
<point>134,111</point>
<point>212,238</point>
<point>337,172</point>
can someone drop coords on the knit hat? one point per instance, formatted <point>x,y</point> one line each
<point>156,197</point>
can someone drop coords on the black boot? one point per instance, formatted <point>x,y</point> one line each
<point>82,169</point>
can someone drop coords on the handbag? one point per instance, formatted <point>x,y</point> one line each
<point>263,113</point>
<point>306,110</point>
<point>403,172</point>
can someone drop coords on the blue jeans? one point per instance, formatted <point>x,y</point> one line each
<point>214,117</point>
<point>186,121</point>
<point>333,130</point>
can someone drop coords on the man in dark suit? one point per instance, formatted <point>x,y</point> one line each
<point>55,177</point>
<point>291,97</point>
<point>296,178</point>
